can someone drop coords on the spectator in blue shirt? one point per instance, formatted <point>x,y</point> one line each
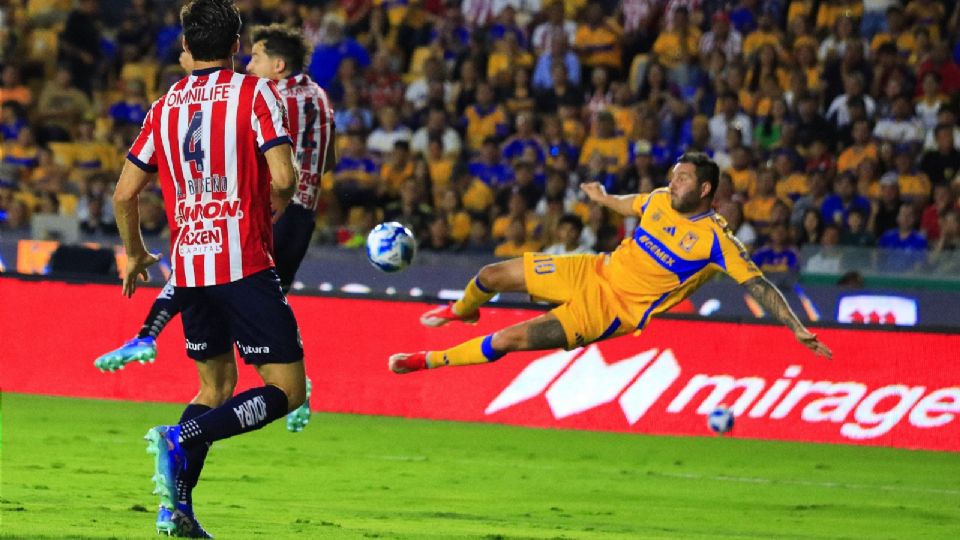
<point>332,50</point>
<point>132,109</point>
<point>489,168</point>
<point>778,256</point>
<point>836,208</point>
<point>904,248</point>
<point>526,137</point>
<point>559,52</point>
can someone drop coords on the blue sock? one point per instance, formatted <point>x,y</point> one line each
<point>195,458</point>
<point>243,412</point>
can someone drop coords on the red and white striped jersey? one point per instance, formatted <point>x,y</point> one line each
<point>311,126</point>
<point>205,138</point>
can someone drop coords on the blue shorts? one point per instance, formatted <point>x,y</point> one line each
<point>291,238</point>
<point>252,313</point>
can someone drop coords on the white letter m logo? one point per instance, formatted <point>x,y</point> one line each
<point>574,386</point>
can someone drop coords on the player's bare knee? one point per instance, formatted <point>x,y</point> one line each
<point>509,339</point>
<point>501,276</point>
<point>489,277</point>
<point>296,394</point>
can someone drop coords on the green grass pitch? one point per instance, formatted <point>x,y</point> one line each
<point>78,468</point>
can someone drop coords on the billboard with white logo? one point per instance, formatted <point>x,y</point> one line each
<point>883,387</point>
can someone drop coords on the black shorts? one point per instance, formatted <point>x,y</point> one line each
<point>291,238</point>
<point>251,312</point>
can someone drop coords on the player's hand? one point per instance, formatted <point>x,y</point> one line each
<point>277,205</point>
<point>810,341</point>
<point>594,191</point>
<point>137,267</point>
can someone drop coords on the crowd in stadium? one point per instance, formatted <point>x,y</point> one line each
<point>834,123</point>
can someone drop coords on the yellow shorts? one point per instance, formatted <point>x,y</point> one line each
<point>589,310</point>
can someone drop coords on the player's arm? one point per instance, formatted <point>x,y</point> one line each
<point>283,175</point>
<point>775,304</point>
<point>731,256</point>
<point>126,205</point>
<point>330,160</point>
<point>621,204</point>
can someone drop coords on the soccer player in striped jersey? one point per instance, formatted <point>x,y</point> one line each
<point>678,245</point>
<point>219,142</point>
<point>278,54</point>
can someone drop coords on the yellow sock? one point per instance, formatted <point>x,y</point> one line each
<point>476,351</point>
<point>474,296</point>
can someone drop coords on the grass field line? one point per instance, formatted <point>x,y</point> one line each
<point>808,483</point>
<point>714,478</point>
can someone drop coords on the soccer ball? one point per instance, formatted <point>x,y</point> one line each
<point>391,246</point>
<point>720,420</point>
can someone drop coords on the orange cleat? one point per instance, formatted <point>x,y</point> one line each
<point>440,316</point>
<point>407,362</point>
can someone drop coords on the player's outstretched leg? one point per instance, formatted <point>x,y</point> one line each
<point>143,347</point>
<point>300,417</point>
<point>506,276</point>
<point>543,332</point>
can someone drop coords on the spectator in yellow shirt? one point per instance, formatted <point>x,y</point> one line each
<point>742,175</point>
<point>484,118</point>
<point>862,148</point>
<point>897,32</point>
<point>517,242</point>
<point>680,44</point>
<point>613,148</point>
<point>759,208</point>
<point>598,41</point>
<point>765,34</point>
<point>397,168</point>
<point>914,185</point>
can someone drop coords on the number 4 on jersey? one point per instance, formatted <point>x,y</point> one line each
<point>192,149</point>
<point>308,138</point>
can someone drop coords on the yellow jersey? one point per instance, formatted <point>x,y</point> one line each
<point>483,123</point>
<point>614,151</point>
<point>599,46</point>
<point>793,187</point>
<point>669,256</point>
<point>852,157</point>
<point>914,186</point>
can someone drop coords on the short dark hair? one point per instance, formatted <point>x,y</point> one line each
<point>572,220</point>
<point>284,41</point>
<point>942,127</point>
<point>705,169</point>
<point>210,28</point>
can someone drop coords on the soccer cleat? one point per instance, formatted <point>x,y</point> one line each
<point>180,523</point>
<point>165,524</point>
<point>300,417</point>
<point>141,350</point>
<point>407,362</point>
<point>440,316</point>
<point>169,461</point>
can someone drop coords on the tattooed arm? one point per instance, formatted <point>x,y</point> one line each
<point>774,303</point>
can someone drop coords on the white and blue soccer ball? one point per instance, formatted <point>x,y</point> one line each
<point>391,246</point>
<point>720,420</point>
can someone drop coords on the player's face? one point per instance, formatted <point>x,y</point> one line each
<point>684,188</point>
<point>261,64</point>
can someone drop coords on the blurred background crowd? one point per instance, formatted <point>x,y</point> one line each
<point>835,123</point>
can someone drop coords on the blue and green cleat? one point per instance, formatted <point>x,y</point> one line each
<point>180,523</point>
<point>141,350</point>
<point>169,462</point>
<point>300,417</point>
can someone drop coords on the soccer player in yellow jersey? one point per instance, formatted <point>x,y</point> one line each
<point>678,244</point>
